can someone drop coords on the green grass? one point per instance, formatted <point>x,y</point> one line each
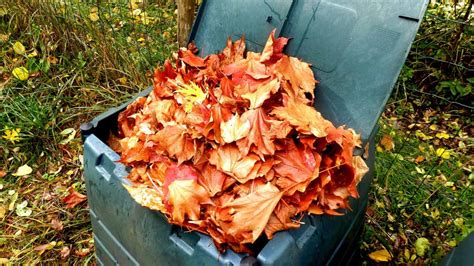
<point>79,67</point>
<point>425,198</point>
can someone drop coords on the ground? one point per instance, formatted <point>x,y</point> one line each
<point>64,62</point>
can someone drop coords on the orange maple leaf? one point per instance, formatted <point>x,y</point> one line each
<point>305,118</point>
<point>228,159</point>
<point>185,198</point>
<point>246,217</point>
<point>73,198</point>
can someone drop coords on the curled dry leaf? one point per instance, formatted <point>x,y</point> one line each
<point>231,146</point>
<point>57,224</point>
<point>380,256</point>
<point>73,198</point>
<point>65,251</point>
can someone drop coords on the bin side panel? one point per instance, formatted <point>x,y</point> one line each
<point>130,234</point>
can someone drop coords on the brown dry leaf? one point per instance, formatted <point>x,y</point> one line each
<point>380,256</point>
<point>73,198</point>
<point>298,73</point>
<point>185,198</point>
<point>229,160</point>
<point>2,173</point>
<point>305,118</point>
<point>234,129</point>
<point>41,249</point>
<point>82,252</point>
<point>419,159</point>
<point>387,143</point>
<point>262,93</point>
<point>147,197</point>
<point>65,251</point>
<point>57,224</point>
<point>250,214</point>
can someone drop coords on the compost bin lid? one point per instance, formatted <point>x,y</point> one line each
<point>356,48</point>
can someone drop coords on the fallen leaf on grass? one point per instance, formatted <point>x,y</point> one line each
<point>94,14</point>
<point>74,198</point>
<point>419,159</point>
<point>387,143</point>
<point>422,245</point>
<point>4,261</point>
<point>18,48</point>
<point>443,153</point>
<point>23,170</point>
<point>20,73</point>
<point>82,252</point>
<point>41,249</point>
<point>380,256</point>
<point>57,224</point>
<point>65,251</point>
<point>2,173</point>
<point>22,210</point>
<point>3,211</point>
<point>69,134</point>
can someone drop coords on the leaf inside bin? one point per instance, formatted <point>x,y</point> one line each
<point>230,145</point>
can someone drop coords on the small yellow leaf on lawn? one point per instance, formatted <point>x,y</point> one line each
<point>4,37</point>
<point>12,135</point>
<point>3,211</point>
<point>52,60</point>
<point>18,48</point>
<point>380,256</point>
<point>422,135</point>
<point>166,35</point>
<point>387,142</point>
<point>443,153</point>
<point>94,14</point>
<point>4,261</point>
<point>33,54</point>
<point>136,12</point>
<point>442,135</point>
<point>23,170</point>
<point>433,127</point>
<point>123,80</point>
<point>20,73</point>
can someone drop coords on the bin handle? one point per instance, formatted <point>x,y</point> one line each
<point>188,249</point>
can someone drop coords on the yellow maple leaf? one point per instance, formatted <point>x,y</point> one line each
<point>442,135</point>
<point>380,256</point>
<point>443,153</point>
<point>18,48</point>
<point>94,14</point>
<point>192,94</point>
<point>20,73</point>
<point>12,135</point>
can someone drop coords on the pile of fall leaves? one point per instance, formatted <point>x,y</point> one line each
<point>230,145</point>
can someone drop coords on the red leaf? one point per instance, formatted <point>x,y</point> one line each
<point>298,166</point>
<point>190,58</point>
<point>185,198</point>
<point>273,50</point>
<point>73,198</point>
<point>246,217</point>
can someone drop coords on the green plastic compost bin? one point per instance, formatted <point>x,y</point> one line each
<point>356,48</point>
